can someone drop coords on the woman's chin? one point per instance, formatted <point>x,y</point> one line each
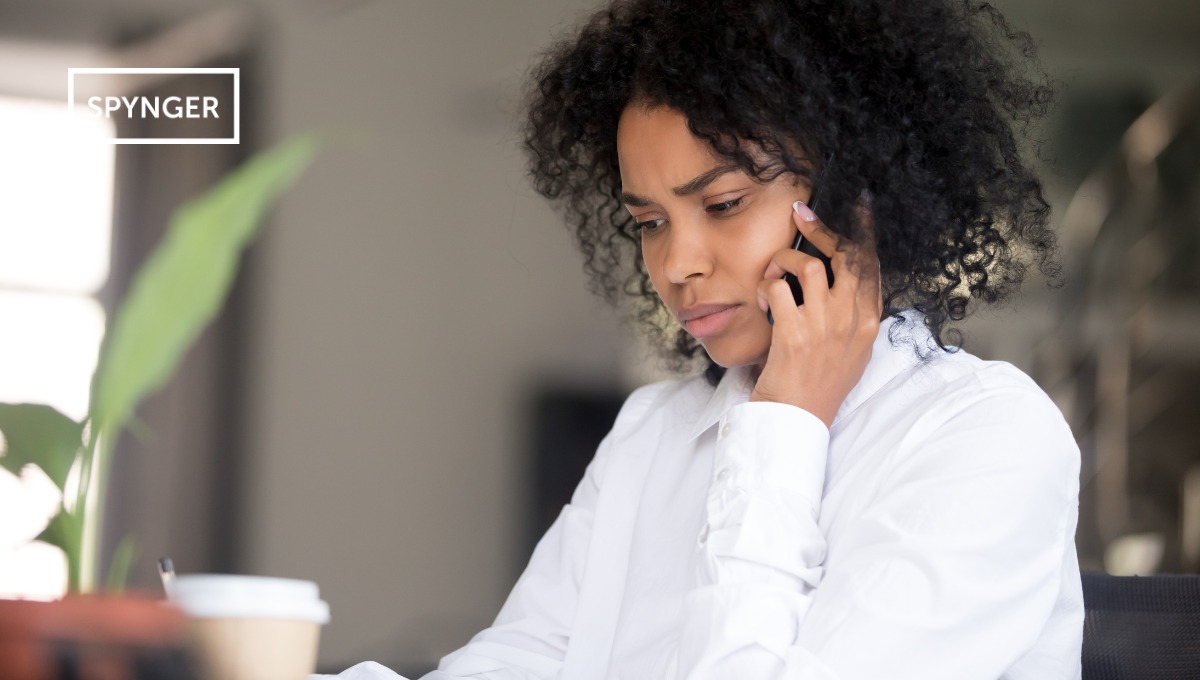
<point>728,354</point>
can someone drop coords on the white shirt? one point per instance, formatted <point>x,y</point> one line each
<point>928,534</point>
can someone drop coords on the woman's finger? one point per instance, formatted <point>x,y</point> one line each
<point>785,261</point>
<point>783,307</point>
<point>815,284</point>
<point>855,263</point>
<point>815,231</point>
<point>844,254</point>
<point>864,264</point>
<point>777,269</point>
<point>808,270</point>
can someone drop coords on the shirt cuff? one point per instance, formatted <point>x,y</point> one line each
<point>764,498</point>
<point>762,444</point>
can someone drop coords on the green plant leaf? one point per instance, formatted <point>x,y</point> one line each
<point>184,283</point>
<point>42,436</point>
<point>64,531</point>
<point>122,562</point>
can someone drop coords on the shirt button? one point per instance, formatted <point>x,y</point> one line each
<point>704,534</point>
<point>724,432</point>
<point>722,474</point>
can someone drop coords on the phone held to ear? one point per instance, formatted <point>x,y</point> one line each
<point>804,245</point>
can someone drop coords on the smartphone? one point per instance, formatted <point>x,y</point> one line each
<point>803,245</point>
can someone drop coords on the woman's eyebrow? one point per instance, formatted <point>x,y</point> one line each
<point>684,189</point>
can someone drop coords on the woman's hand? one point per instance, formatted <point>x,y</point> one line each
<point>820,349</point>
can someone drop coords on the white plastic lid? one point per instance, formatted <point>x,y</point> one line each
<point>224,596</point>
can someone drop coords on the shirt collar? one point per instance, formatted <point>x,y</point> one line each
<point>735,388</point>
<point>899,345</point>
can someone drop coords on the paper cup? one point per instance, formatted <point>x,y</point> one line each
<point>252,627</point>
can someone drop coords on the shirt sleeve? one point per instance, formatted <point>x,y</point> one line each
<point>949,572</point>
<point>529,636</point>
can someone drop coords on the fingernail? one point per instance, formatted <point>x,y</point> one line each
<point>803,211</point>
<point>763,304</point>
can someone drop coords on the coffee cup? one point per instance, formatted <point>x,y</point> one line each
<point>251,627</point>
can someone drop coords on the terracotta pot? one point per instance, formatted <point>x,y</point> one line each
<point>93,638</point>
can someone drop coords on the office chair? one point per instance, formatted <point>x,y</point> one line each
<point>1141,627</point>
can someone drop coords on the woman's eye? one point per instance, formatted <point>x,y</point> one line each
<point>648,227</point>
<point>725,206</point>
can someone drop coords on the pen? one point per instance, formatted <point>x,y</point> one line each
<point>166,571</point>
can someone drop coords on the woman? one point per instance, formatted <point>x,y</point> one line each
<point>842,494</point>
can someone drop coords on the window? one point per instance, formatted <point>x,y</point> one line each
<point>56,188</point>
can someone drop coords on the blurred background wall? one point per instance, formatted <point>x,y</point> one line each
<point>412,297</point>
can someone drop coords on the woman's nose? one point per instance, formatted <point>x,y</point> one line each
<point>687,253</point>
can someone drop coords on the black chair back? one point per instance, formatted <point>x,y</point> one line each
<point>1141,627</point>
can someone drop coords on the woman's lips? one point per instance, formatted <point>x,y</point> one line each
<point>710,324</point>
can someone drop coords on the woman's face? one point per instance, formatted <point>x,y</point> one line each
<point>711,231</point>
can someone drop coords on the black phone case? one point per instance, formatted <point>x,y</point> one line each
<point>805,246</point>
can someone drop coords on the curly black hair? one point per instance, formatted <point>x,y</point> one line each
<point>924,101</point>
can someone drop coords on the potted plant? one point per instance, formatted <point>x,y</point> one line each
<point>175,294</point>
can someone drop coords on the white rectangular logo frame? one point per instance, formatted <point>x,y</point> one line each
<point>235,72</point>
